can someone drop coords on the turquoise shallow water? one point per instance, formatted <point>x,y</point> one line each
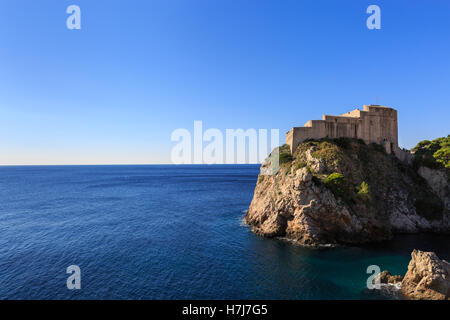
<point>166,232</point>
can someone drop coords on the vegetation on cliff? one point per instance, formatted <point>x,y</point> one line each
<point>434,154</point>
<point>337,183</point>
<point>285,154</point>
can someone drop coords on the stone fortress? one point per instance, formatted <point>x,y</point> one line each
<point>373,124</point>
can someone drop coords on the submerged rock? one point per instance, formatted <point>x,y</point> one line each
<point>385,277</point>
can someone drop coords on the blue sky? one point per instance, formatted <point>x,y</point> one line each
<point>114,91</point>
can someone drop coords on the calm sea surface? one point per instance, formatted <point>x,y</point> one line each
<point>166,232</point>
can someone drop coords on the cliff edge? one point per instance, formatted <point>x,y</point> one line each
<point>343,191</point>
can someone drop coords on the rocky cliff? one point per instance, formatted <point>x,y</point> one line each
<point>343,191</point>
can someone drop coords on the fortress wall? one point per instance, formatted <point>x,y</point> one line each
<point>340,127</point>
<point>379,125</point>
<point>318,129</point>
<point>354,114</point>
<point>373,124</point>
<point>404,156</point>
<point>299,134</point>
<point>290,138</point>
<point>365,128</point>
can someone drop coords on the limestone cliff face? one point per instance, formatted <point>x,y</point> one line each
<point>373,197</point>
<point>438,181</point>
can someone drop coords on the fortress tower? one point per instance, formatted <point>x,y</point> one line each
<point>373,124</point>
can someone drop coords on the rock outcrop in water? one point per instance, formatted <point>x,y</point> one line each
<point>386,277</point>
<point>428,277</point>
<point>342,191</point>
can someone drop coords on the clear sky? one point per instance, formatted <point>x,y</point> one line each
<point>114,91</point>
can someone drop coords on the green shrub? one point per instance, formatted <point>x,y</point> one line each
<point>299,165</point>
<point>421,145</point>
<point>328,151</point>
<point>442,156</point>
<point>364,191</point>
<point>285,154</point>
<point>285,158</point>
<point>337,183</point>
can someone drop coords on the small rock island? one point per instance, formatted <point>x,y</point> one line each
<point>344,180</point>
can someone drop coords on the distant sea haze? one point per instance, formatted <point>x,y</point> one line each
<point>166,232</point>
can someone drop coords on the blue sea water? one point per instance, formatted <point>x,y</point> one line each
<point>166,232</point>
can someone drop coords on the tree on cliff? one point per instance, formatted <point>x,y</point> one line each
<point>434,154</point>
